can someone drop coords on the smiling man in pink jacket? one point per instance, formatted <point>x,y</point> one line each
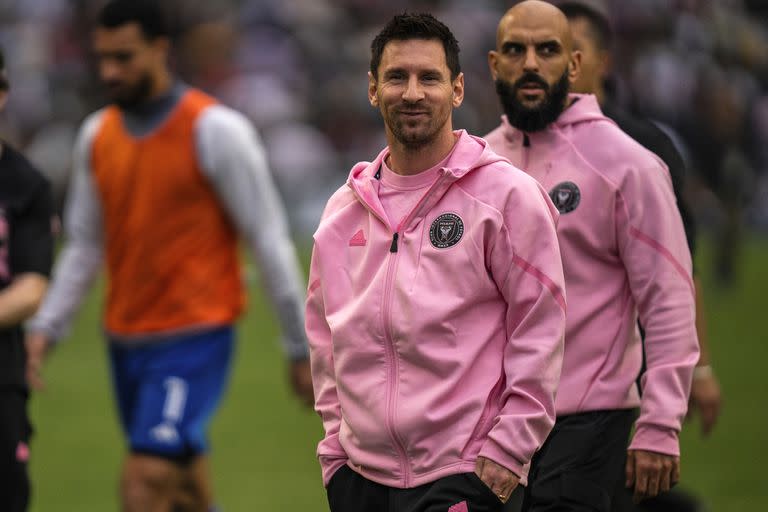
<point>436,308</point>
<point>625,257</point>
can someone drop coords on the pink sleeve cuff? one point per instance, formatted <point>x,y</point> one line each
<point>656,439</point>
<point>331,456</point>
<point>329,467</point>
<point>494,452</point>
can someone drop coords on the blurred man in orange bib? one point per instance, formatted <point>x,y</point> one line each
<point>165,179</point>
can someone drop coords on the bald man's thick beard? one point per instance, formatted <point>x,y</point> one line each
<point>535,119</point>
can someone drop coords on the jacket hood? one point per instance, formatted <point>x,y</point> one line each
<point>469,153</point>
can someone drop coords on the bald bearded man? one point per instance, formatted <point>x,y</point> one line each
<point>625,257</point>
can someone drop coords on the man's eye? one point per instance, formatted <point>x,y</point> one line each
<point>548,49</point>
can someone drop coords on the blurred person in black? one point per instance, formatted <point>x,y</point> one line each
<point>592,36</point>
<point>26,248</point>
<point>720,140</point>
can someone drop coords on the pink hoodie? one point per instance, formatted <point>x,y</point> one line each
<point>624,253</point>
<point>438,340</point>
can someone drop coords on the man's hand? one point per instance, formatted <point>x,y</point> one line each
<point>37,346</point>
<point>501,480</point>
<point>301,381</point>
<point>706,399</point>
<point>651,473</point>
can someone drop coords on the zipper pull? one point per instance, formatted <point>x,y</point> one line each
<point>526,140</point>
<point>393,247</point>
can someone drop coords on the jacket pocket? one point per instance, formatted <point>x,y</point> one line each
<point>485,491</point>
<point>481,428</point>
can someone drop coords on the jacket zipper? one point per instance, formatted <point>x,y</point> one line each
<point>387,314</point>
<point>393,247</point>
<point>391,352</point>
<point>408,218</point>
<point>392,384</point>
<point>389,345</point>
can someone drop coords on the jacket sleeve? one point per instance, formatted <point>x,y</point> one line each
<point>525,262</point>
<point>235,162</point>
<point>653,247</point>
<point>665,148</point>
<point>81,258</point>
<point>329,451</point>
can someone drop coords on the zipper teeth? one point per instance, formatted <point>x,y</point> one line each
<point>390,344</point>
<point>406,220</point>
<point>392,388</point>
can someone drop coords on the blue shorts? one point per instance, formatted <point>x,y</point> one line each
<point>168,391</point>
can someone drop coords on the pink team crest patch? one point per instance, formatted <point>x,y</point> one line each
<point>459,507</point>
<point>358,240</point>
<point>22,452</point>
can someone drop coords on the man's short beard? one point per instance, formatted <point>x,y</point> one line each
<point>412,143</point>
<point>136,96</point>
<point>533,119</point>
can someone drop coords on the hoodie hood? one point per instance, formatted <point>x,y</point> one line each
<point>583,108</point>
<point>468,154</point>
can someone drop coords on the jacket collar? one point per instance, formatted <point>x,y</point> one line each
<point>469,154</point>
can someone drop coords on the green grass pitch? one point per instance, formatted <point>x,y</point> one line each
<point>264,441</point>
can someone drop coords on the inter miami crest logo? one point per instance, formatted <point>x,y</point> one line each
<point>566,196</point>
<point>446,230</point>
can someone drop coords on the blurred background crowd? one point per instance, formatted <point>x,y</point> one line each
<point>297,68</point>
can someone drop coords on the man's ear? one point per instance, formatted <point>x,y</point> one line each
<point>3,98</point>
<point>574,66</point>
<point>372,98</point>
<point>493,58</point>
<point>458,90</point>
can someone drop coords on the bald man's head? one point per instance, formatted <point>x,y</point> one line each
<point>536,14</point>
<point>534,63</point>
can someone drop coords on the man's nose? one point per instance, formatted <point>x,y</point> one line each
<point>108,70</point>
<point>531,60</point>
<point>413,90</point>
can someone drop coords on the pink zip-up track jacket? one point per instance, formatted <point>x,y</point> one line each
<point>624,254</point>
<point>437,340</point>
